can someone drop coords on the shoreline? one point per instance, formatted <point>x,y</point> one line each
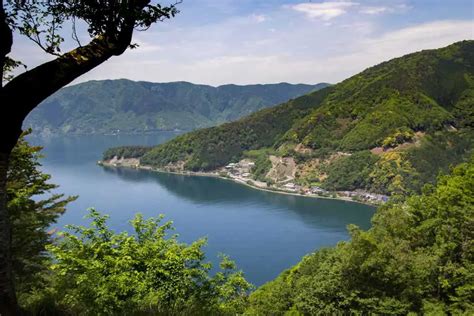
<point>215,175</point>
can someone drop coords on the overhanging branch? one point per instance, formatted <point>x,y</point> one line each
<point>30,88</point>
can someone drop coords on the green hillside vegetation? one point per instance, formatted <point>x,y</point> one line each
<point>417,257</point>
<point>112,106</point>
<point>405,110</point>
<point>262,163</point>
<point>351,172</point>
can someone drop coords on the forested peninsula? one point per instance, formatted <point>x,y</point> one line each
<point>385,131</point>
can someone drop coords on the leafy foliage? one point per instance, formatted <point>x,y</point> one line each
<point>392,173</point>
<point>126,106</point>
<point>110,25</point>
<point>438,151</point>
<point>418,257</point>
<point>397,138</point>
<point>8,67</point>
<point>96,271</point>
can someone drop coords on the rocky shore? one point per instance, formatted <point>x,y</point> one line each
<point>240,173</point>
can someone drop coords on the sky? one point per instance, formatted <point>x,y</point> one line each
<point>219,42</point>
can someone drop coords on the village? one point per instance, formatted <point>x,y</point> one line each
<point>242,172</point>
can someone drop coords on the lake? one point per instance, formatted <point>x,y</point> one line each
<point>264,232</point>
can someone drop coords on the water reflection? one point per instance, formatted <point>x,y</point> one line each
<point>321,213</point>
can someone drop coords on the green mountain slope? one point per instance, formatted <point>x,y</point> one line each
<point>417,259</point>
<point>133,107</point>
<point>389,129</point>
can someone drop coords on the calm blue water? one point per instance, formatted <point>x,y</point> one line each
<point>263,232</point>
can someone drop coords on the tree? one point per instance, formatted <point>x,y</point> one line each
<point>99,272</point>
<point>110,25</point>
<point>30,216</point>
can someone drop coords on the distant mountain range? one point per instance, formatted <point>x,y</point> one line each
<point>388,129</point>
<point>124,106</point>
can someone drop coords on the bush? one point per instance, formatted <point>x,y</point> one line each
<point>99,272</point>
<point>400,136</point>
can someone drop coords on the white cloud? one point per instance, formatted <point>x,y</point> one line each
<point>271,44</point>
<point>375,10</point>
<point>422,36</point>
<point>374,50</point>
<point>324,10</point>
<point>403,7</point>
<point>342,58</point>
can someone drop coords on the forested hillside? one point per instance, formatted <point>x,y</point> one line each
<point>124,106</point>
<point>418,257</point>
<point>388,130</point>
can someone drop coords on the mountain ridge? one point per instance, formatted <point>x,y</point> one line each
<point>126,106</point>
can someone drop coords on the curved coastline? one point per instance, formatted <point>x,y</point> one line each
<point>216,175</point>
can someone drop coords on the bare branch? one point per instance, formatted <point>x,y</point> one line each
<point>74,33</point>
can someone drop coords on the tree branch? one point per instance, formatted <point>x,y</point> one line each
<point>23,93</point>
<point>49,77</point>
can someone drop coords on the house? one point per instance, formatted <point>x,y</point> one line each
<point>316,190</point>
<point>291,186</point>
